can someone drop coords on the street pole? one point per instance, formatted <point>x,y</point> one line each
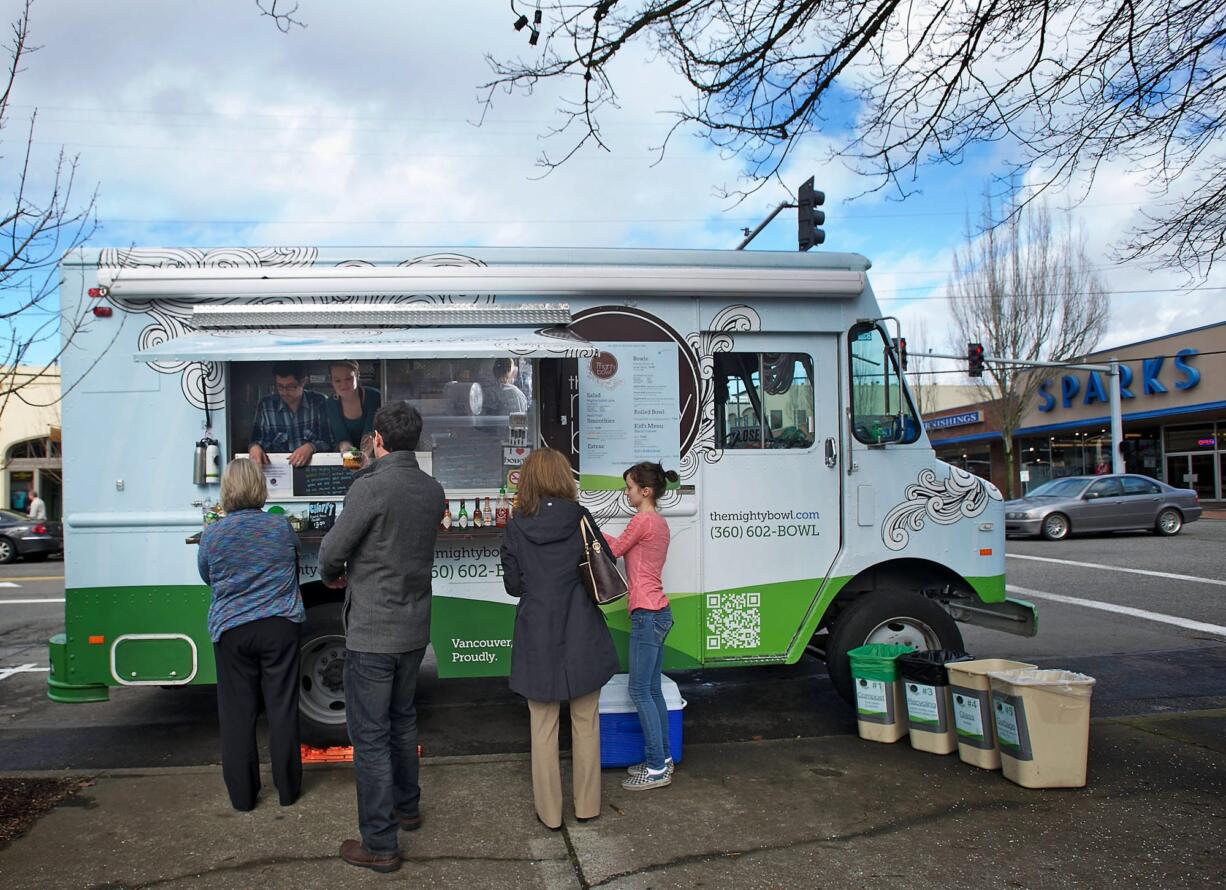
<point>1117,421</point>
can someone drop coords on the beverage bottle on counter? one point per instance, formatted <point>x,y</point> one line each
<point>489,514</point>
<point>501,513</point>
<point>446,523</point>
<point>462,516</point>
<point>478,519</point>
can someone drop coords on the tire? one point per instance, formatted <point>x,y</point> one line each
<point>1170,522</point>
<point>321,691</point>
<point>1056,527</point>
<point>886,616</point>
<point>8,551</point>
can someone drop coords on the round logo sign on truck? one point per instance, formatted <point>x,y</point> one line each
<point>604,365</point>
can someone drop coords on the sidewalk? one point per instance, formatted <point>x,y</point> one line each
<point>826,812</point>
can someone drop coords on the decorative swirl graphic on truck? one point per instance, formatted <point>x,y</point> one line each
<point>718,337</point>
<point>961,495</point>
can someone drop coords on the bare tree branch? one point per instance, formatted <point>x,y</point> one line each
<point>1067,85</point>
<point>1025,291</point>
<point>43,221</point>
<point>281,13</point>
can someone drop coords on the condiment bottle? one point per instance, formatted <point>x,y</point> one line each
<point>446,523</point>
<point>462,516</point>
<point>478,519</point>
<point>501,514</point>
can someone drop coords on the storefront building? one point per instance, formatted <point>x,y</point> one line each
<point>1173,396</point>
<point>30,448</point>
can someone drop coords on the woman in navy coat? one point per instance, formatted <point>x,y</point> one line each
<point>562,648</point>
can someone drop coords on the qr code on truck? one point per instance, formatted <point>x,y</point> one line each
<point>734,621</point>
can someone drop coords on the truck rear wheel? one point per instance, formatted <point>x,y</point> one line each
<point>886,616</point>
<point>321,688</point>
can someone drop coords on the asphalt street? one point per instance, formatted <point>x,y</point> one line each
<point>1167,654</point>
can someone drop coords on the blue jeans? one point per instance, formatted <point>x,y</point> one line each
<point>648,631</point>
<point>382,718</point>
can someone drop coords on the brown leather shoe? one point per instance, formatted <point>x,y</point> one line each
<point>355,854</point>
<point>409,823</point>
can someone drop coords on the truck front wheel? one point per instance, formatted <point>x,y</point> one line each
<point>886,616</point>
<point>321,687</point>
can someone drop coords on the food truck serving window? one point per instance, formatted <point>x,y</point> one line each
<point>764,400</point>
<point>471,409</point>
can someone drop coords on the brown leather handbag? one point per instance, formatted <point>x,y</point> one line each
<point>597,569</point>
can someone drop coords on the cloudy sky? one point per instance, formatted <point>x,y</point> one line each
<point>203,125</point>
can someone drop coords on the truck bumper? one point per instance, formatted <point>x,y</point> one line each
<point>1011,616</point>
<point>59,689</point>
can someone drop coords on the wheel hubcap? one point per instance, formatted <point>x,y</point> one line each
<point>905,632</point>
<point>1056,527</point>
<point>6,551</point>
<point>322,687</point>
<point>1170,523</point>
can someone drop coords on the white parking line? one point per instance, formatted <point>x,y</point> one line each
<point>4,602</point>
<point>1185,623</point>
<point>30,668</point>
<point>8,584</point>
<point>1099,565</point>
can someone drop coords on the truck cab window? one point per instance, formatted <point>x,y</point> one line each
<point>763,400</point>
<point>881,410</point>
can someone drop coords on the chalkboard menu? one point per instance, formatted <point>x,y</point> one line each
<point>322,481</point>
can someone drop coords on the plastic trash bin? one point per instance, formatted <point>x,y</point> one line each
<point>971,694</point>
<point>930,720</point>
<point>881,709</point>
<point>1042,726</point>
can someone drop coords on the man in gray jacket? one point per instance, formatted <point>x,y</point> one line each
<point>382,549</point>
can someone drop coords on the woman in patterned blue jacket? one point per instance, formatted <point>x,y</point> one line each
<point>250,559</point>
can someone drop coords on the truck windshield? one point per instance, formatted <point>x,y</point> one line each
<point>881,411</point>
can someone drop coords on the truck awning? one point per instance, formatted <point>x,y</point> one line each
<point>306,343</point>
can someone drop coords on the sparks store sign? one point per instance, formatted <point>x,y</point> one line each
<point>1148,378</point>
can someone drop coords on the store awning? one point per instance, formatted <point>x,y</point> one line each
<point>305,344</point>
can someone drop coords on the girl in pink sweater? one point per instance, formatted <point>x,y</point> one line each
<point>644,543</point>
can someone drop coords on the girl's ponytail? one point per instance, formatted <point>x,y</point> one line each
<point>653,476</point>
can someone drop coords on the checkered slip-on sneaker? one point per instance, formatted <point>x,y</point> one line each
<point>640,769</point>
<point>647,781</point>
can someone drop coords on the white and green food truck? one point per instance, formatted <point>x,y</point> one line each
<point>811,513</point>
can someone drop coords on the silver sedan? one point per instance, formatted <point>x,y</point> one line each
<point>1101,504</point>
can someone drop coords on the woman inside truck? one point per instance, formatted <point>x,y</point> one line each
<point>351,411</point>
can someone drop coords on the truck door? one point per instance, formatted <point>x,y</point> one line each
<point>770,506</point>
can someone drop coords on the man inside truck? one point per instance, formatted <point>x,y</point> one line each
<point>293,419</point>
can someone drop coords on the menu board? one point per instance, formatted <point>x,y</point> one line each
<point>322,480</point>
<point>628,411</point>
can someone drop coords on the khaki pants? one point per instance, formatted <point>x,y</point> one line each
<point>585,757</point>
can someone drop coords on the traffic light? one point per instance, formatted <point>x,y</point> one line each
<point>808,218</point>
<point>900,346</point>
<point>974,359</point>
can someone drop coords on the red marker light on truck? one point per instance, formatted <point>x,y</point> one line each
<point>97,292</point>
<point>986,551</point>
<point>103,311</point>
<point>96,640</point>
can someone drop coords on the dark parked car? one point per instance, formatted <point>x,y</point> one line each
<point>1101,504</point>
<point>33,539</point>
